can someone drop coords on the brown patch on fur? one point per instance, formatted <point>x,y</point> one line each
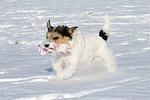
<point>71,30</point>
<point>57,38</point>
<point>48,24</point>
<point>59,34</point>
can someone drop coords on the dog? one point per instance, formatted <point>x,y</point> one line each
<point>84,48</point>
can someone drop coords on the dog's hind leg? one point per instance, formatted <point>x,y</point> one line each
<point>109,60</point>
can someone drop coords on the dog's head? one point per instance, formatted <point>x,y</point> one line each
<point>56,35</point>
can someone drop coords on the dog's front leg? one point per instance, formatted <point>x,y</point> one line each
<point>69,70</point>
<point>57,66</point>
<point>71,62</point>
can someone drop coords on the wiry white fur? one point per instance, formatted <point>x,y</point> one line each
<point>106,24</point>
<point>84,48</point>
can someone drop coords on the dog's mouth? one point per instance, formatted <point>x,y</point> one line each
<point>49,46</point>
<point>50,50</point>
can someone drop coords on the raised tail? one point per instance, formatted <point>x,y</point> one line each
<point>104,32</point>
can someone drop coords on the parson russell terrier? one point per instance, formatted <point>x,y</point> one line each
<point>84,48</point>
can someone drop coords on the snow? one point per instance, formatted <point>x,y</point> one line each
<point>26,75</point>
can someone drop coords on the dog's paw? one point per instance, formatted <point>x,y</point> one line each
<point>58,79</point>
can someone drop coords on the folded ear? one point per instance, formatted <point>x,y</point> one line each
<point>49,26</point>
<point>71,30</point>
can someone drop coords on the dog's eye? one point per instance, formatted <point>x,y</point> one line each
<point>56,38</point>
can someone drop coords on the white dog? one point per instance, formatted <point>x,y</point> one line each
<point>84,48</point>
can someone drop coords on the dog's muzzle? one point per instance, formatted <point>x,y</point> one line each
<point>49,45</point>
<point>50,49</point>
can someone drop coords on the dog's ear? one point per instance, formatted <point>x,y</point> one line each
<point>49,27</point>
<point>71,30</point>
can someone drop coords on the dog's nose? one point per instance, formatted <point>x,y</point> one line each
<point>46,45</point>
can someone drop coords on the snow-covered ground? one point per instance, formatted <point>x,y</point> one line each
<point>25,74</point>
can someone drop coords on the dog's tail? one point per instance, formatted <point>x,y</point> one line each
<point>104,32</point>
